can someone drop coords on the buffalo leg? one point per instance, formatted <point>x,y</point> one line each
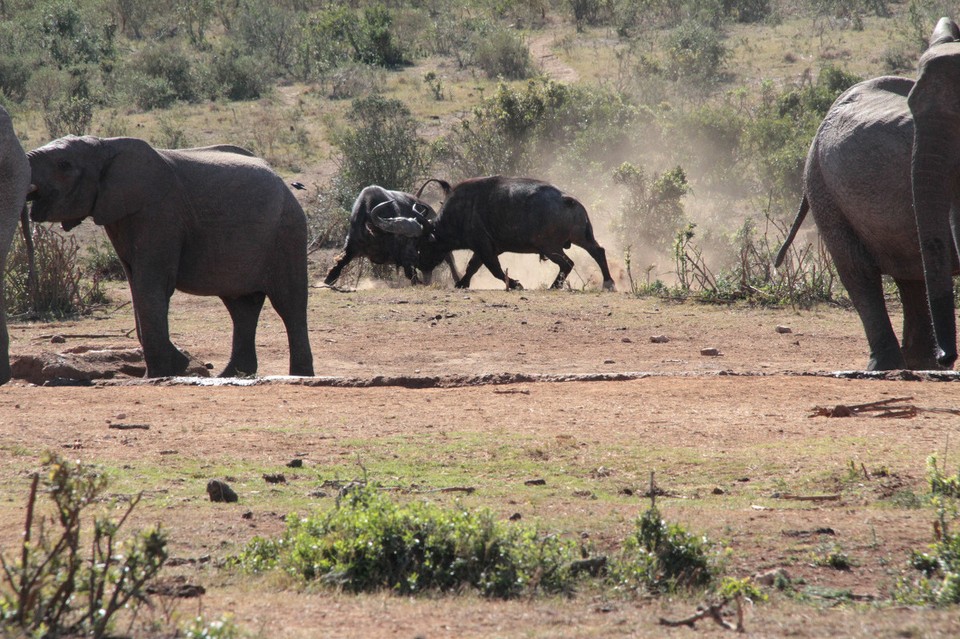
<point>245,312</point>
<point>342,261</point>
<point>472,267</point>
<point>918,344</point>
<point>564,262</point>
<point>600,257</point>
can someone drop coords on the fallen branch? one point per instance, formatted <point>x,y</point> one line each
<point>889,408</point>
<point>714,612</point>
<point>120,426</point>
<point>808,497</point>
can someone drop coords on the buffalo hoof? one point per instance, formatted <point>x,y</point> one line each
<point>608,285</point>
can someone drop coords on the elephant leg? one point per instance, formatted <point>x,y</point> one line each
<point>564,262</point>
<point>291,306</point>
<point>163,359</point>
<point>863,282</point>
<point>472,267</point>
<point>919,344</point>
<point>342,261</point>
<point>245,312</point>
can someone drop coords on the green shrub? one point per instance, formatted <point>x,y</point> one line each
<point>237,76</point>
<point>370,543</point>
<point>664,558</point>
<point>695,52</point>
<point>68,578</point>
<point>382,147</point>
<point>939,583</point>
<point>504,54</point>
<point>163,74</point>
<point>102,262</point>
<point>652,211</point>
<point>269,31</point>
<point>528,129</point>
<point>779,134</point>
<point>940,482</point>
<point>15,73</point>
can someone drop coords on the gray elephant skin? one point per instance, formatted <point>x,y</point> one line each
<point>859,184</point>
<point>14,182</point>
<point>206,221</point>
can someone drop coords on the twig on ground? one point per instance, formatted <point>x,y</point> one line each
<point>808,497</point>
<point>889,408</point>
<point>714,612</point>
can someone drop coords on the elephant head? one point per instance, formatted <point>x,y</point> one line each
<point>69,179</point>
<point>935,105</point>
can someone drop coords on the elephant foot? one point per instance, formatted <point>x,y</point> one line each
<point>886,363</point>
<point>172,365</point>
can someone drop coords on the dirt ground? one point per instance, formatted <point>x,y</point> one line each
<point>490,388</point>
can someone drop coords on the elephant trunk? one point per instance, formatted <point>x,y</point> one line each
<point>932,175</point>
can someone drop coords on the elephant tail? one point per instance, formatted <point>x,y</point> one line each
<point>801,214</point>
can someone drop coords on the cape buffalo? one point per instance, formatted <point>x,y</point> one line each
<point>384,227</point>
<point>494,215</point>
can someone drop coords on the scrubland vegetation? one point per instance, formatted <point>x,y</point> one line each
<point>682,126</point>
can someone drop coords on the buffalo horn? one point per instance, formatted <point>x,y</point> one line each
<point>405,226</point>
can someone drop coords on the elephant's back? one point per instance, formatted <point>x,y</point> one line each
<point>859,171</point>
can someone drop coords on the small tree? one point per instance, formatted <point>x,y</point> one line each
<point>652,210</point>
<point>382,147</point>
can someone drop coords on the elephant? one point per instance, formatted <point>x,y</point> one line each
<point>882,181</point>
<point>206,221</point>
<point>857,185</point>
<point>934,103</point>
<point>14,183</point>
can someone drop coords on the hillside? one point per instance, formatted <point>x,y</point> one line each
<point>731,94</point>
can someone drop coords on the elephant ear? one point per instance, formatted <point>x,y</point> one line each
<point>124,176</point>
<point>945,31</point>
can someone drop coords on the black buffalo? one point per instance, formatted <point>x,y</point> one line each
<point>494,215</point>
<point>385,227</point>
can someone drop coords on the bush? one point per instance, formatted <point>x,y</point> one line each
<point>270,32</point>
<point>370,543</point>
<point>53,589</point>
<point>652,210</point>
<point>664,558</point>
<point>163,74</point>
<point>102,262</point>
<point>382,147</point>
<point>527,129</point>
<point>60,290</point>
<point>237,76</point>
<point>696,52</point>
<point>504,54</point>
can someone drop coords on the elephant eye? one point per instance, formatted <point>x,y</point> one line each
<point>63,165</point>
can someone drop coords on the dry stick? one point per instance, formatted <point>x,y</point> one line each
<point>25,553</point>
<point>712,612</point>
<point>809,497</point>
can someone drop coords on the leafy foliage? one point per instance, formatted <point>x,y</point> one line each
<point>652,211</point>
<point>525,130</point>
<point>382,147</point>
<point>369,543</point>
<point>53,589</point>
<point>661,557</point>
